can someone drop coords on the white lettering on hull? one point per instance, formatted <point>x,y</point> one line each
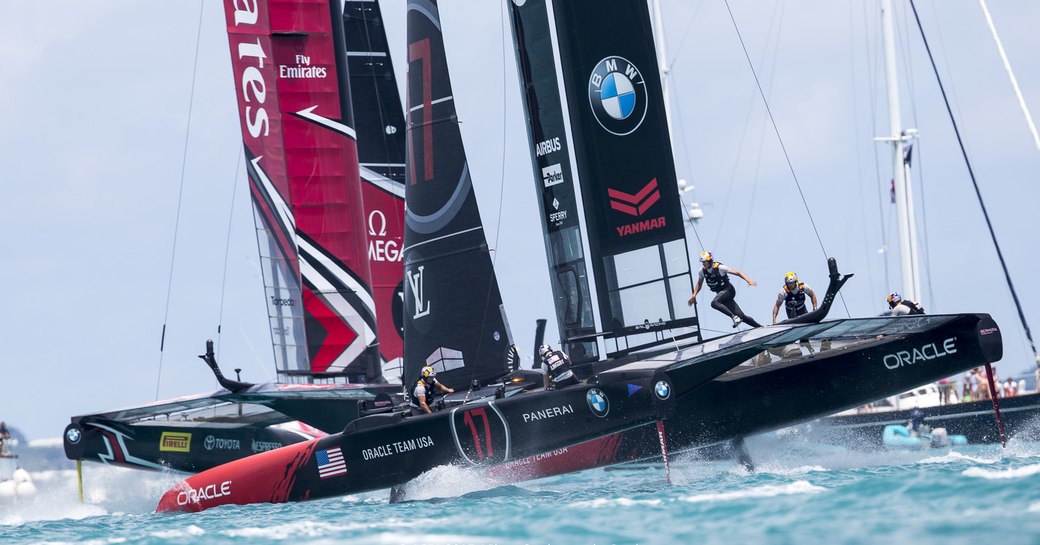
<point>925,353</point>
<point>397,447</point>
<point>551,412</point>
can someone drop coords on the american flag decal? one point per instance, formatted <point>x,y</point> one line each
<point>330,463</point>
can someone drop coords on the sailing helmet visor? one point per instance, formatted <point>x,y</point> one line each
<point>428,372</point>
<point>790,278</point>
<point>707,257</point>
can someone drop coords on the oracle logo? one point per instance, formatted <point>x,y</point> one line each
<point>207,492</point>
<point>927,352</point>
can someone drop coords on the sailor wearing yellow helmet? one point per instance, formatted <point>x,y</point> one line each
<point>717,277</point>
<point>792,296</point>
<point>423,391</point>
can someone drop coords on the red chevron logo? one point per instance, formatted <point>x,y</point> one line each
<point>635,205</point>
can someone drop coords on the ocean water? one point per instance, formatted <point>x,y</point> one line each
<point>802,492</point>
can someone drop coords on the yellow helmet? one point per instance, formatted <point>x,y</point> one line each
<point>428,372</point>
<point>706,257</point>
<point>790,278</point>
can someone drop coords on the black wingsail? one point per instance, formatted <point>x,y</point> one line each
<point>554,178</point>
<point>379,119</point>
<point>617,186</point>
<point>453,317</point>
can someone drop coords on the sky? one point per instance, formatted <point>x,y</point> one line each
<point>126,208</point>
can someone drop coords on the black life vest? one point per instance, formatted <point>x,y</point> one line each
<point>558,365</point>
<point>431,390</point>
<point>716,280</point>
<point>914,307</point>
<point>795,300</point>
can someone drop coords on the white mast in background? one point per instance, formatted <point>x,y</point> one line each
<point>905,219</point>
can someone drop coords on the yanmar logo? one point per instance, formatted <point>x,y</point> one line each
<point>175,442</point>
<point>927,352</point>
<point>637,205</point>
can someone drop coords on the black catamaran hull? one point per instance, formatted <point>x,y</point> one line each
<point>748,401</point>
<point>173,434</point>
<point>393,451</point>
<point>187,447</point>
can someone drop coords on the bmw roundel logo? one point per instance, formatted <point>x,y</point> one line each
<point>73,436</point>
<point>598,402</point>
<point>617,95</point>
<point>662,389</point>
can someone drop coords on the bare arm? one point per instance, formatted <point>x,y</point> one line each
<point>423,405</point>
<point>696,290</point>
<point>744,276</point>
<point>444,388</point>
<point>812,295</point>
<point>776,308</point>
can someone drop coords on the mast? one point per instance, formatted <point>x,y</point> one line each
<point>905,217</point>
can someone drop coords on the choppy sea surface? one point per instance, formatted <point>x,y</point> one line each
<point>802,492</point>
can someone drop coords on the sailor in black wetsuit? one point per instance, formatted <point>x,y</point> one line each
<point>558,371</point>
<point>717,276</point>
<point>792,296</point>
<point>902,307</point>
<point>424,390</point>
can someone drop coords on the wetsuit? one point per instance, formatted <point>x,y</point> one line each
<point>717,279</point>
<point>794,300</point>
<point>558,366</point>
<point>906,307</point>
<point>425,390</point>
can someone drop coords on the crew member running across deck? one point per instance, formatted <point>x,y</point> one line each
<point>717,276</point>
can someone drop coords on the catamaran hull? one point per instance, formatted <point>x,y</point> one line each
<point>483,433</point>
<point>746,402</point>
<point>188,448</point>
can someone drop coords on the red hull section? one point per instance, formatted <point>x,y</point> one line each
<point>226,485</point>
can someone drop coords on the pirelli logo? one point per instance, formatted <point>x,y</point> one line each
<point>175,442</point>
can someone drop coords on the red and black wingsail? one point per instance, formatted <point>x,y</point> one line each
<point>379,119</point>
<point>289,61</point>
<point>453,315</point>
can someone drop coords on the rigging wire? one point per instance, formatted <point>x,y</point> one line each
<point>915,149</point>
<point>239,156</point>
<point>879,181</point>
<point>1011,74</point>
<point>978,192</point>
<point>180,198</point>
<point>501,194</point>
<point>743,136</point>
<point>755,178</point>
<point>780,140</point>
<point>856,132</point>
